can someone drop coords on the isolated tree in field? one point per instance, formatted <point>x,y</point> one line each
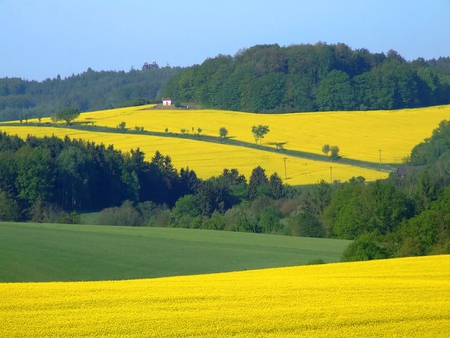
<point>334,153</point>
<point>259,132</point>
<point>223,132</point>
<point>122,125</point>
<point>326,149</point>
<point>67,115</point>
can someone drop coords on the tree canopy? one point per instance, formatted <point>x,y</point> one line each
<point>259,132</point>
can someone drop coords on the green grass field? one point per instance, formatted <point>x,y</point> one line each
<point>49,252</point>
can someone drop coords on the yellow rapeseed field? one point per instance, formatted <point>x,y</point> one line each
<point>359,135</point>
<point>209,159</point>
<point>408,297</point>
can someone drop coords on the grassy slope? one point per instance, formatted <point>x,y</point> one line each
<point>41,252</point>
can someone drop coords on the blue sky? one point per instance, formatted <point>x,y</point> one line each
<point>43,38</point>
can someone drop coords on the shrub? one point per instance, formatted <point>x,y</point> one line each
<point>364,248</point>
<point>126,215</point>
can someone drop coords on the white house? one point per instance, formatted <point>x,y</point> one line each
<point>167,101</point>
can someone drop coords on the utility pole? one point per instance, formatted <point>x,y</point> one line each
<point>379,151</point>
<point>285,172</point>
<point>331,174</point>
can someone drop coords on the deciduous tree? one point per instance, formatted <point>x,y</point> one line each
<point>259,132</point>
<point>67,115</point>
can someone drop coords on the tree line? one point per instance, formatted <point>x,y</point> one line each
<point>320,77</point>
<point>77,175</point>
<point>21,99</point>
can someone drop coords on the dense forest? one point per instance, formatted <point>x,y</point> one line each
<point>320,77</point>
<point>91,90</point>
<point>50,180</point>
<point>266,78</point>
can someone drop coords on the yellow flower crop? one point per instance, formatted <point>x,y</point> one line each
<point>406,297</point>
<point>209,159</point>
<point>359,135</point>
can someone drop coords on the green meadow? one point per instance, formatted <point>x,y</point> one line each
<point>53,252</point>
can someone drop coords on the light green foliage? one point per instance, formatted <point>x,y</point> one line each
<point>356,209</point>
<point>269,220</point>
<point>126,214</point>
<point>186,206</point>
<point>215,222</point>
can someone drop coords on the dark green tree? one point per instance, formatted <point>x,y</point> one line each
<point>259,132</point>
<point>334,153</point>
<point>276,186</point>
<point>9,209</point>
<point>73,167</point>
<point>213,194</point>
<point>306,224</point>
<point>335,92</point>
<point>257,180</point>
<point>364,248</point>
<point>34,174</point>
<point>67,115</point>
<point>223,133</point>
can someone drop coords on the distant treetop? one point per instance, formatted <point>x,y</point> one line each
<point>152,65</point>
